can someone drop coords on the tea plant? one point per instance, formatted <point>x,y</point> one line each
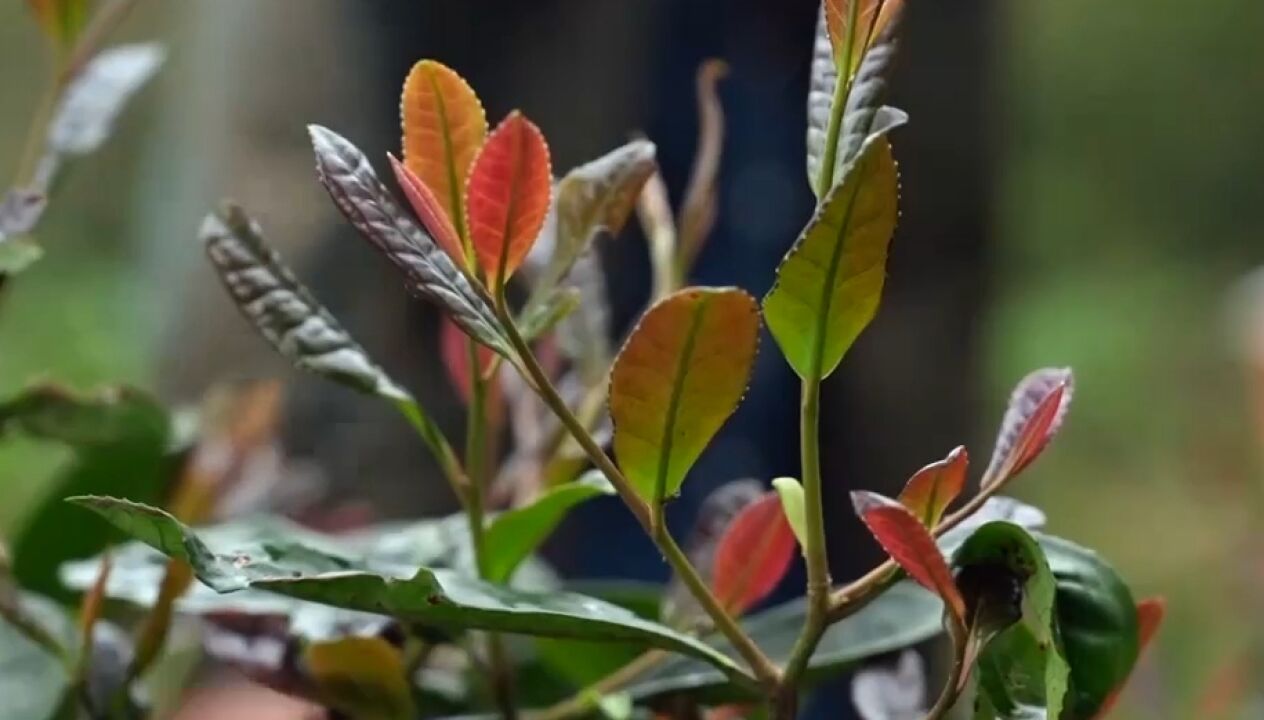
<point>457,615</point>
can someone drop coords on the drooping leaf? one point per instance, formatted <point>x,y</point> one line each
<point>33,680</point>
<point>515,534</point>
<point>361,677</point>
<point>752,555</point>
<point>933,488</point>
<point>910,544</point>
<point>1097,622</point>
<point>829,285</point>
<point>679,376</point>
<point>598,195</point>
<point>92,103</point>
<point>898,693</point>
<point>1036,410</point>
<point>1149,617</point>
<point>1011,593</point>
<point>444,126</point>
<point>429,211</point>
<point>794,506</point>
<point>106,416</point>
<point>61,20</point>
<point>439,598</point>
<point>699,207</point>
<point>284,311</point>
<point>432,274</point>
<point>508,195</point>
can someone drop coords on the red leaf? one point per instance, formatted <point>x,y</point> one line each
<point>1036,410</point>
<point>508,195</point>
<point>429,210</point>
<point>909,543</point>
<point>933,488</point>
<point>753,554</point>
<point>1149,617</point>
<point>454,346</point>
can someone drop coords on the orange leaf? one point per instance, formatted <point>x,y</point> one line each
<point>1036,410</point>
<point>454,345</point>
<point>909,543</point>
<point>429,210</point>
<point>753,554</point>
<point>872,17</point>
<point>444,126</point>
<point>507,196</point>
<point>1149,617</point>
<point>933,488</point>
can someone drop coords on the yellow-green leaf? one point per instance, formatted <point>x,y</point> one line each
<point>680,375</point>
<point>829,284</point>
<point>794,505</point>
<point>361,677</point>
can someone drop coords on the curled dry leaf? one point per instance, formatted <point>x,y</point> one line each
<point>698,209</point>
<point>1036,410</point>
<point>508,196</point>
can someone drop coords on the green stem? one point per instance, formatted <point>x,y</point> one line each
<point>581,703</point>
<point>430,434</point>
<point>763,668</point>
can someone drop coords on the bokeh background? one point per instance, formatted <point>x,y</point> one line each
<point>1083,186</point>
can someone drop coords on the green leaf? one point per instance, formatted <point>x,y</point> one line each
<point>515,534</point>
<point>1097,618</point>
<point>791,492</point>
<point>32,681</point>
<point>829,285</point>
<point>122,440</point>
<point>681,373</point>
<point>367,204</point>
<point>598,195</point>
<point>441,598</point>
<point>61,20</point>
<point>1003,572</point>
<point>904,615</point>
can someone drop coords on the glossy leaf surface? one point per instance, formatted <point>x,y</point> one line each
<point>1036,410</point>
<point>829,285</point>
<point>933,488</point>
<point>429,210</point>
<point>910,544</point>
<point>444,126</point>
<point>753,555</point>
<point>508,196</point>
<point>436,597</point>
<point>515,534</point>
<point>432,274</point>
<point>680,375</point>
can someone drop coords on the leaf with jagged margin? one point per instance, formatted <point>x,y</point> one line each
<point>600,194</point>
<point>516,533</point>
<point>679,376</point>
<point>1037,407</point>
<point>346,173</point>
<point>830,283</point>
<point>440,598</point>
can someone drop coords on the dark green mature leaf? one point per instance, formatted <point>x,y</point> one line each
<point>32,681</point>
<point>903,616</point>
<point>1097,617</point>
<point>367,204</point>
<point>284,311</point>
<point>829,284</point>
<point>122,440</point>
<point>441,598</point>
<point>1004,575</point>
<point>515,534</point>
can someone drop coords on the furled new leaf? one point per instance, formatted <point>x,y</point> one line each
<point>515,534</point>
<point>1011,593</point>
<point>829,285</point>
<point>444,126</point>
<point>598,195</point>
<point>794,505</point>
<point>361,677</point>
<point>440,598</point>
<point>753,555</point>
<point>347,175</point>
<point>1036,410</point>
<point>429,211</point>
<point>507,196</point>
<point>933,488</point>
<point>680,375</point>
<point>910,544</point>
<point>61,20</point>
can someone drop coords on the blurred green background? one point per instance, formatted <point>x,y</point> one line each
<point>1129,141</point>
